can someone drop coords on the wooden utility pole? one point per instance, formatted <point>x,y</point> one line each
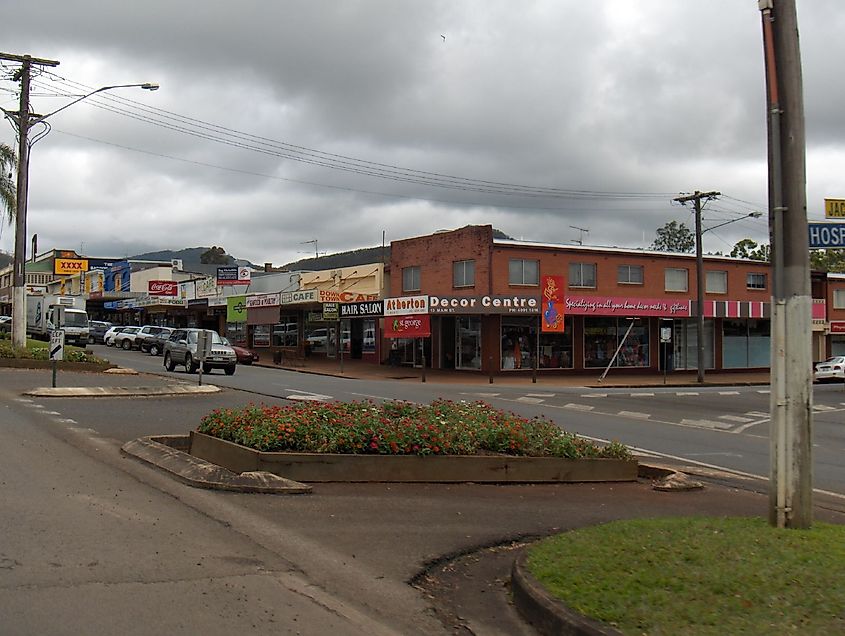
<point>699,273</point>
<point>790,488</point>
<point>22,122</point>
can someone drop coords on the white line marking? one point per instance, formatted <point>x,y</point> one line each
<point>481,395</point>
<point>592,395</point>
<point>763,391</point>
<point>823,407</point>
<point>635,414</point>
<point>540,395</point>
<point>757,414</point>
<point>530,400</point>
<point>736,418</point>
<point>642,394</point>
<point>578,407</point>
<point>744,427</point>
<point>728,392</point>
<point>705,423</point>
<point>300,392</point>
<point>680,393</point>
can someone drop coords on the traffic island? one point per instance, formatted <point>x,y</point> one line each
<point>324,467</point>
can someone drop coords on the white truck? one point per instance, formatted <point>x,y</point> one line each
<point>42,314</point>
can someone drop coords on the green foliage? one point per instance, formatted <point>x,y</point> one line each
<point>8,200</point>
<point>674,237</point>
<point>701,575</point>
<point>828,260</point>
<point>399,428</point>
<point>37,350</point>
<point>215,256</point>
<point>751,250</point>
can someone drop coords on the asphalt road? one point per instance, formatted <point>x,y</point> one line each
<point>720,427</point>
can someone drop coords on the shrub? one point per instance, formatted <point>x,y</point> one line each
<point>399,428</point>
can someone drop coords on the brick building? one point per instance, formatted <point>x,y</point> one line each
<point>485,306</point>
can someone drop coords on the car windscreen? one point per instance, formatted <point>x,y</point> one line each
<point>73,319</point>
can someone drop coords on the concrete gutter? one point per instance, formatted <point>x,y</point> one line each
<point>121,391</point>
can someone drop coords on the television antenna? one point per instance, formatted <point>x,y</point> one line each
<point>583,230</point>
<point>316,252</point>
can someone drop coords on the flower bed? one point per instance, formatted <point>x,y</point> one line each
<point>400,428</point>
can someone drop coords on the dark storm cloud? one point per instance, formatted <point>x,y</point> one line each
<point>656,96</point>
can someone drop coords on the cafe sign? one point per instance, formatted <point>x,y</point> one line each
<point>332,296</point>
<point>298,297</point>
<point>484,305</point>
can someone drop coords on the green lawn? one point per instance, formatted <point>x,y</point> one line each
<point>699,576</point>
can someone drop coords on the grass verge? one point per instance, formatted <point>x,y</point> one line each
<point>40,350</point>
<point>697,576</point>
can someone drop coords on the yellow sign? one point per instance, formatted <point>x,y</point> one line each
<point>69,266</point>
<point>834,208</point>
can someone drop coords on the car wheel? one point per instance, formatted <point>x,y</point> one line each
<point>168,362</point>
<point>190,365</point>
<point>206,368</point>
<point>126,345</point>
<point>153,350</point>
<point>230,370</point>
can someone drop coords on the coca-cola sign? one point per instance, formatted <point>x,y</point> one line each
<point>163,288</point>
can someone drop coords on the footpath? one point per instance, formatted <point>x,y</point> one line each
<point>456,543</point>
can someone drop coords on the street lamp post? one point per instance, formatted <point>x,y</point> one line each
<point>23,120</point>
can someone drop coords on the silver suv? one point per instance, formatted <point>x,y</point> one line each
<point>181,349</point>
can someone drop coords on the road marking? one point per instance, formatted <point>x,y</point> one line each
<point>757,414</point>
<point>635,414</point>
<point>300,394</point>
<point>763,391</point>
<point>578,407</point>
<point>824,407</point>
<point>705,424</point>
<point>745,427</point>
<point>592,395</point>
<point>540,395</point>
<point>642,394</point>
<point>680,393</point>
<point>530,400</point>
<point>728,392</point>
<point>483,395</point>
<point>736,418</point>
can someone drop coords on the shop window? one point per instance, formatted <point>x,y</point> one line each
<point>582,275</point>
<point>745,343</point>
<point>716,282</point>
<point>468,343</point>
<point>369,343</point>
<point>685,345</point>
<point>519,343</point>
<point>755,281</point>
<point>523,272</point>
<point>603,336</point>
<point>261,336</point>
<point>630,274</point>
<point>236,332</point>
<point>286,332</point>
<point>677,280</point>
<point>463,274</point>
<point>839,298</point>
<point>411,279</point>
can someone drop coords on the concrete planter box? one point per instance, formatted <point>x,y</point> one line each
<point>315,467</point>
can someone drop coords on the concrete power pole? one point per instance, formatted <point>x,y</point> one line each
<point>791,489</point>
<point>699,273</point>
<point>21,120</point>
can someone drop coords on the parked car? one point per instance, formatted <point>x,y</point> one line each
<point>126,339</point>
<point>5,324</point>
<point>154,345</point>
<point>97,331</point>
<point>148,333</point>
<point>244,355</point>
<point>108,337</point>
<point>181,349</point>
<point>830,370</point>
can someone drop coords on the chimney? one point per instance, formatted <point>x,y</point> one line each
<point>34,246</point>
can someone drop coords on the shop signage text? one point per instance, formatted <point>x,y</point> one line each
<point>484,305</point>
<point>305,296</point>
<point>405,305</point>
<point>414,326</point>
<point>163,288</point>
<point>67,266</point>
<point>331,296</point>
<point>612,306</point>
<point>233,275</point>
<point>263,300</point>
<point>826,235</point>
<point>352,310</point>
<point>330,311</point>
<point>837,327</point>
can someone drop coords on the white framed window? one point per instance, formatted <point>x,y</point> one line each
<point>677,279</point>
<point>463,274</point>
<point>839,298</point>
<point>523,272</point>
<point>755,280</point>
<point>716,282</point>
<point>630,274</point>
<point>582,274</point>
<point>411,279</point>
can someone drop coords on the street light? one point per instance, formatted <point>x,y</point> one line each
<point>23,120</point>
<point>699,274</point>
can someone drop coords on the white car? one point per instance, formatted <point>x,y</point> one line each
<point>108,337</point>
<point>831,369</point>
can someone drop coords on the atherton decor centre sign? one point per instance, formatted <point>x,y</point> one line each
<point>483,305</point>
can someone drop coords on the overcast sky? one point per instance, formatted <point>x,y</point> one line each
<point>282,122</point>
